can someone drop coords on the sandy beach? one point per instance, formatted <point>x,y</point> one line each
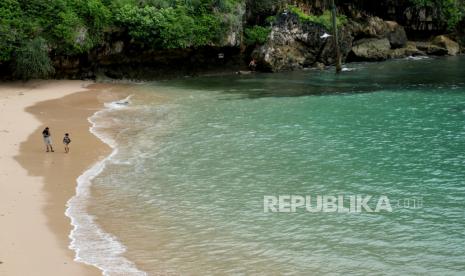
<point>35,185</point>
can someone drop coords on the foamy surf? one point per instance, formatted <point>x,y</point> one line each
<point>417,57</point>
<point>92,245</point>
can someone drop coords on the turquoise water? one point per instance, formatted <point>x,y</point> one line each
<point>184,193</point>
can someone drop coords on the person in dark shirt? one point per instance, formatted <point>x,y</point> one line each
<point>47,139</point>
<point>66,142</point>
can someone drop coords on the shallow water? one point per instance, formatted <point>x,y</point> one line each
<point>184,192</point>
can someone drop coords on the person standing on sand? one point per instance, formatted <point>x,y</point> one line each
<point>66,141</point>
<point>47,139</point>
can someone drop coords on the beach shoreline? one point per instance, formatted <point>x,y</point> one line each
<point>36,185</point>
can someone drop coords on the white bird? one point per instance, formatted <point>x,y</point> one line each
<point>325,35</point>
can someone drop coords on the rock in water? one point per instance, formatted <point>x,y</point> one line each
<point>446,43</point>
<point>430,49</point>
<point>293,44</point>
<point>409,50</point>
<point>371,49</point>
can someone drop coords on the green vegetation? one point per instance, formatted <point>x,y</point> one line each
<point>32,60</point>
<point>451,11</point>
<point>256,35</point>
<point>324,19</point>
<point>11,28</point>
<point>32,30</point>
<point>171,27</point>
<point>68,26</point>
<point>72,27</point>
<point>265,6</point>
<point>271,19</point>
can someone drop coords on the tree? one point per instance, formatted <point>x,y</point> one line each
<point>32,60</point>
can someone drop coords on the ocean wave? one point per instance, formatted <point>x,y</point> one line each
<point>347,69</point>
<point>92,245</point>
<point>416,57</point>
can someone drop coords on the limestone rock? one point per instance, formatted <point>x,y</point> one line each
<point>371,49</point>
<point>293,44</point>
<point>451,46</point>
<point>430,49</point>
<point>396,34</point>
<point>409,50</point>
<point>375,27</point>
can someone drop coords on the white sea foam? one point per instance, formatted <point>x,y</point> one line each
<point>347,69</point>
<point>416,57</point>
<point>92,245</point>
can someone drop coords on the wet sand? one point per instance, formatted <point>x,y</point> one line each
<point>35,185</point>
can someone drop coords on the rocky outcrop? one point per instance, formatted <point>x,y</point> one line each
<point>429,49</point>
<point>380,40</point>
<point>419,21</point>
<point>293,44</point>
<point>396,34</point>
<point>439,46</point>
<point>410,49</point>
<point>375,27</point>
<point>444,42</point>
<point>372,49</point>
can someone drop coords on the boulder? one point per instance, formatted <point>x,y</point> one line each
<point>430,49</point>
<point>292,44</point>
<point>444,42</point>
<point>396,34</point>
<point>371,49</point>
<point>410,49</point>
<point>375,27</point>
<point>275,58</point>
<point>319,66</point>
<point>327,55</point>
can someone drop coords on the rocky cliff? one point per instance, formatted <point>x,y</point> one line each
<point>295,44</point>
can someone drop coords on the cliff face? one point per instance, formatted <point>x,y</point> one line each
<point>419,22</point>
<point>294,43</point>
<point>120,59</point>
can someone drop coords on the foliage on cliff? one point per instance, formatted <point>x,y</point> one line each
<point>323,19</point>
<point>175,24</point>
<point>451,11</point>
<point>73,27</point>
<point>32,60</point>
<point>70,27</point>
<point>256,35</point>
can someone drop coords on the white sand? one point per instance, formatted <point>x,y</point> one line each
<point>28,246</point>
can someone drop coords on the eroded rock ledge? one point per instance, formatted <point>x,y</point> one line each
<point>293,44</point>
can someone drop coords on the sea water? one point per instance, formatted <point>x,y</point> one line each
<point>183,191</point>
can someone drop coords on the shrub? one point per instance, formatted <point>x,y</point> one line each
<point>11,27</point>
<point>451,11</point>
<point>172,27</point>
<point>32,60</point>
<point>256,35</point>
<point>264,7</point>
<point>271,19</point>
<point>71,32</point>
<point>323,19</point>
